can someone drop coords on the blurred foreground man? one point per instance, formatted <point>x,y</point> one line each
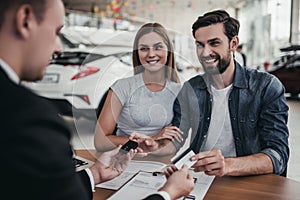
<point>35,149</point>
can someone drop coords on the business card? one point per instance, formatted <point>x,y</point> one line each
<point>184,158</point>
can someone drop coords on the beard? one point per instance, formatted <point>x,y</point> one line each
<point>221,66</point>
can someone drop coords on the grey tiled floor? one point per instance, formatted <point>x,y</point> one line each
<point>83,137</point>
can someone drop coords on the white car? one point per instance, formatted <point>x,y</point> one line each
<point>78,79</point>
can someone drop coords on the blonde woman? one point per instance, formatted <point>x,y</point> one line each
<point>142,103</point>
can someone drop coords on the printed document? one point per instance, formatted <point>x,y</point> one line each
<point>132,168</point>
<point>145,183</point>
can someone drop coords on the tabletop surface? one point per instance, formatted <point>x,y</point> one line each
<point>268,186</point>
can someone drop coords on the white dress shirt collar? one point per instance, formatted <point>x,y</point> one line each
<point>9,72</point>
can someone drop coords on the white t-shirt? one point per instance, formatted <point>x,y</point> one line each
<point>220,132</point>
<point>144,111</point>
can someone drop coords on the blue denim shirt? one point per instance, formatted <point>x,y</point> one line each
<point>258,113</point>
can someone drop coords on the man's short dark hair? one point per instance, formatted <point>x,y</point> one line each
<point>39,7</point>
<point>231,25</point>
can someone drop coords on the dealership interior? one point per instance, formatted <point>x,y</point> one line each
<point>266,28</point>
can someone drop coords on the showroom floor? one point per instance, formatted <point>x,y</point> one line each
<point>83,137</point>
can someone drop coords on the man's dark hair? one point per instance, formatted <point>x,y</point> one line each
<point>231,25</point>
<point>39,7</point>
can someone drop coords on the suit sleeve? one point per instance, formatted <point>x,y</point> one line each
<point>85,179</point>
<point>154,197</point>
<point>40,155</point>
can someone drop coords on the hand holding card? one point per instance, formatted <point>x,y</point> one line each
<point>184,158</point>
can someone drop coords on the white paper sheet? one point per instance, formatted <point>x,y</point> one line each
<point>185,160</point>
<point>144,184</point>
<point>140,186</point>
<point>202,184</point>
<point>133,167</point>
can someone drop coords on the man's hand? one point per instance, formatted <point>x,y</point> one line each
<point>179,182</point>
<point>211,162</point>
<point>111,164</point>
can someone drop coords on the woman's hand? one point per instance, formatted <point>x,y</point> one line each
<point>169,132</point>
<point>146,143</point>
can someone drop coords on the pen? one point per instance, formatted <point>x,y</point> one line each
<point>158,173</point>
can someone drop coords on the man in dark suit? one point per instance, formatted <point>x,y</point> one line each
<point>35,150</point>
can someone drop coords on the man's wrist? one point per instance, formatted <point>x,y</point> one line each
<point>166,189</point>
<point>95,174</point>
<point>164,194</point>
<point>91,176</point>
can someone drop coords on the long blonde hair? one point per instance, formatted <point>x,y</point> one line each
<point>171,69</point>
